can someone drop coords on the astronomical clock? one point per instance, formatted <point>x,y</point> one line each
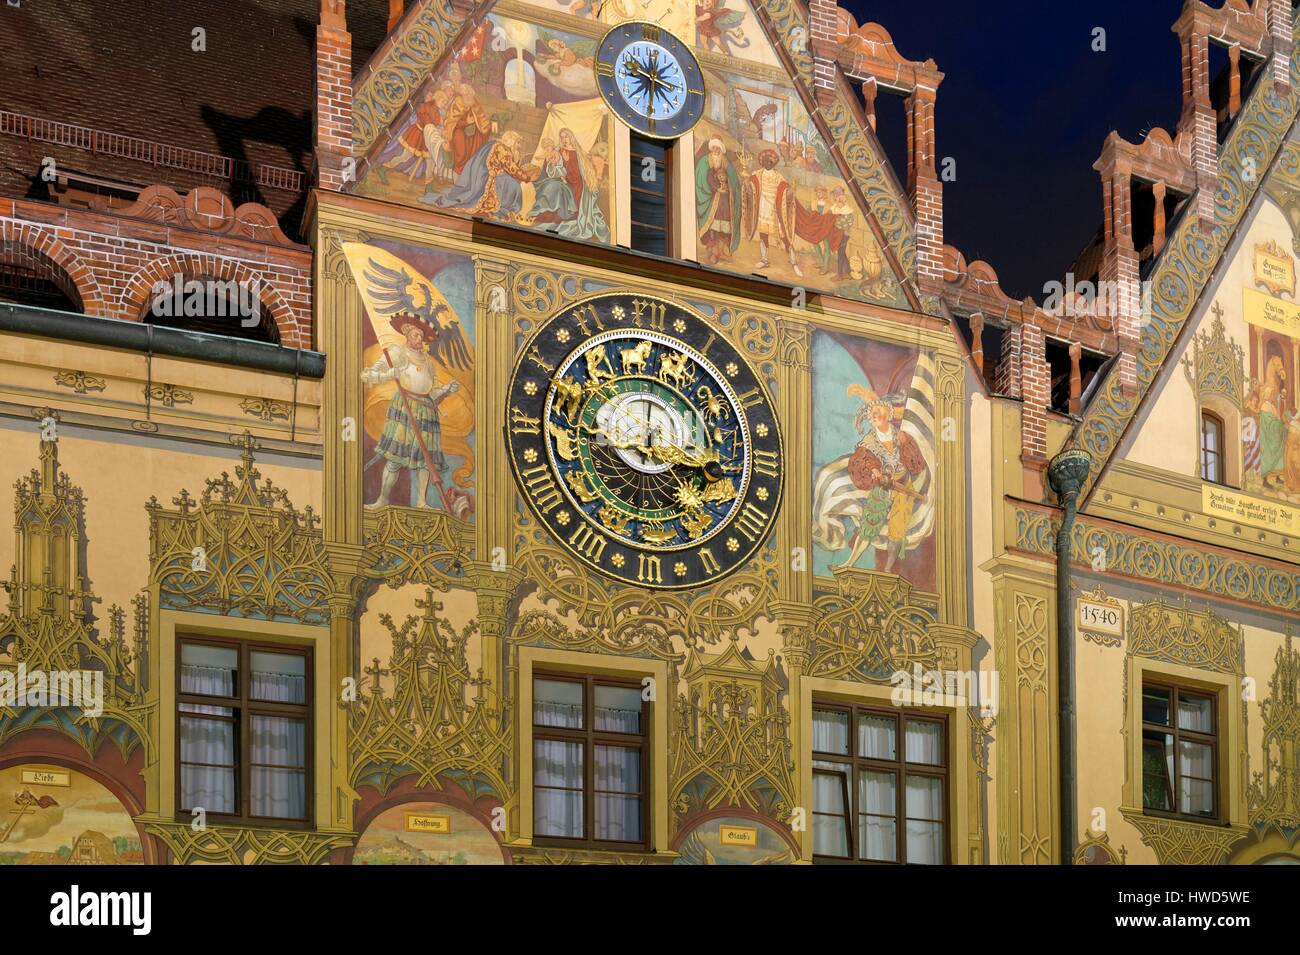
<point>644,442</point>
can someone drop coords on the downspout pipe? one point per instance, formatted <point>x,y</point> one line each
<point>1067,473</point>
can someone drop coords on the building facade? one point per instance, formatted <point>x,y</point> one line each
<point>543,432</point>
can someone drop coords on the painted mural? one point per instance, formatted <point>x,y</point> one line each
<point>873,468</point>
<point>418,423</point>
<point>728,27</point>
<point>426,833</point>
<point>732,840</point>
<point>769,198</point>
<point>57,816</point>
<point>1271,424</point>
<point>511,128</point>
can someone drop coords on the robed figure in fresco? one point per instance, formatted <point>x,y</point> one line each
<point>717,204</point>
<point>490,184</point>
<point>769,205</point>
<point>567,191</point>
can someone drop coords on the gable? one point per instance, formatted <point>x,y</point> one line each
<point>1183,271</point>
<point>524,77</point>
<point>1236,366</point>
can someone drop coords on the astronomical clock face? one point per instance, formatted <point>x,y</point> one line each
<point>650,79</point>
<point>644,442</point>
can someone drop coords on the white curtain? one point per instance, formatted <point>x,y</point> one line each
<point>618,787</point>
<point>924,815</point>
<point>279,687</point>
<point>830,832</point>
<point>278,778</point>
<point>877,816</point>
<point>564,715</point>
<point>876,737</point>
<point>557,811</point>
<point>830,732</point>
<point>207,741</point>
<point>925,743</point>
<point>1196,780</point>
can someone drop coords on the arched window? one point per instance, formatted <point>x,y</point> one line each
<point>202,303</point>
<point>1212,451</point>
<point>27,277</point>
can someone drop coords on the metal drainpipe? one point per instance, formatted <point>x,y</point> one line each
<point>1066,472</point>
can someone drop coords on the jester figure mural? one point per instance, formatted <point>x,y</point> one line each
<point>873,501</point>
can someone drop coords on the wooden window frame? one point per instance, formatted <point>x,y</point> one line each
<point>245,709</point>
<point>901,768</point>
<point>590,737</point>
<point>669,193</point>
<point>1176,690</point>
<point>1220,456</point>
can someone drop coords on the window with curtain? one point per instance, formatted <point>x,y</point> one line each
<point>1179,752</point>
<point>1212,448</point>
<point>243,730</point>
<point>880,785</point>
<point>589,760</point>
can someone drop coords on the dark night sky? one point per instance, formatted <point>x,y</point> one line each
<point>1024,108</point>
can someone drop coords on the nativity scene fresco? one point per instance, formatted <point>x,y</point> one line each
<point>512,128</point>
<point>873,469</point>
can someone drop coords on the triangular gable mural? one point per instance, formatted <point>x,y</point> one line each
<point>1181,292</point>
<point>510,125</point>
<point>1224,414</point>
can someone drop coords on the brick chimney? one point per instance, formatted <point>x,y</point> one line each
<point>332,135</point>
<point>823,27</point>
<point>1280,31</point>
<point>924,187</point>
<point>1035,398</point>
<point>1194,28</point>
<point>1119,272</point>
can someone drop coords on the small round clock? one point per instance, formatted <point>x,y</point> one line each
<point>650,79</point>
<point>644,442</point>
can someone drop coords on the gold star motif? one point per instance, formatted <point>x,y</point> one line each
<point>617,560</point>
<point>762,493</point>
<point>760,430</point>
<point>733,544</point>
<point>562,335</point>
<point>562,518</point>
<point>530,387</point>
<point>680,327</point>
<point>732,368</point>
<point>530,455</point>
<point>618,313</point>
<point>679,568</point>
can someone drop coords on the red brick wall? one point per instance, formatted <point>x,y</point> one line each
<point>333,116</point>
<point>115,260</point>
<point>1035,392</point>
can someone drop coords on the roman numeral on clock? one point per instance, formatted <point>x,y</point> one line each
<point>711,566</point>
<point>751,397</point>
<point>765,463</point>
<point>541,488</point>
<point>653,313</point>
<point>650,32</point>
<point>750,522</point>
<point>604,68</point>
<point>588,543</point>
<point>647,570</point>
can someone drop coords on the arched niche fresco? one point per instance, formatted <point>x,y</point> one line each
<point>426,833</point>
<point>734,840</point>
<point>53,815</point>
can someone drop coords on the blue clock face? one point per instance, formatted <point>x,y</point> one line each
<point>650,79</point>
